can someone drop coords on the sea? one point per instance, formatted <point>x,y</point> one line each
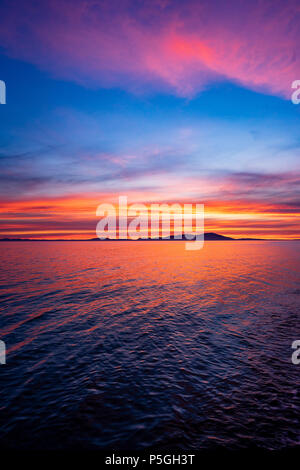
<point>143,344</point>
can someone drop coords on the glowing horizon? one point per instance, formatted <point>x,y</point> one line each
<point>77,218</point>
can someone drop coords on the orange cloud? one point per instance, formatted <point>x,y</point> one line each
<point>74,217</point>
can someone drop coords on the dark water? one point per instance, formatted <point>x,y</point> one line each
<point>136,344</point>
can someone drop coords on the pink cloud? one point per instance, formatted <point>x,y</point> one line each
<point>177,46</point>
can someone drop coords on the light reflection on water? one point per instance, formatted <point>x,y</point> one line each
<point>135,344</point>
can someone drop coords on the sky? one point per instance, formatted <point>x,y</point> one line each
<point>161,101</point>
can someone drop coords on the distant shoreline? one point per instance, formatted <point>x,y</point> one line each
<point>207,237</point>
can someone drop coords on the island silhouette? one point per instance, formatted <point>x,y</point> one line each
<point>208,236</point>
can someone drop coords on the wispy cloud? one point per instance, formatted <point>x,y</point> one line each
<point>180,46</point>
<point>272,210</point>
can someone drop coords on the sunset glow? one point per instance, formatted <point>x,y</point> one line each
<point>160,101</point>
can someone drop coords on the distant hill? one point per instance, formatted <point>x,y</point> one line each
<point>207,236</point>
<point>216,236</point>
